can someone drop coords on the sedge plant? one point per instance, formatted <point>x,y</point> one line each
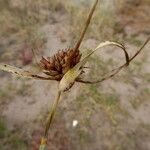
<point>66,67</point>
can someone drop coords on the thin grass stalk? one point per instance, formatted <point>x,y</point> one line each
<point>49,122</point>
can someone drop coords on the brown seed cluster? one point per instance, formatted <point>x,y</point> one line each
<point>60,63</point>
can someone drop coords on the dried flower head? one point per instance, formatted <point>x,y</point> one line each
<point>57,65</point>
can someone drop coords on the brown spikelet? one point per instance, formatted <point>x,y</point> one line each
<point>60,63</point>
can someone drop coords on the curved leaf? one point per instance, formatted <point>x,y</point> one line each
<point>117,70</point>
<point>70,77</point>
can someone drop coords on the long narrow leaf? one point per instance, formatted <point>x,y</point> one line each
<point>117,70</point>
<point>22,73</point>
<point>70,77</point>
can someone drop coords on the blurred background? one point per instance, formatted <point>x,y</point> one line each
<point>113,115</point>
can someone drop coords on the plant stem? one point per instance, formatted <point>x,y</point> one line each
<point>49,122</point>
<point>86,26</point>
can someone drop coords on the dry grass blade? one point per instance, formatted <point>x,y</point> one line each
<point>103,44</point>
<point>22,73</point>
<point>117,70</point>
<point>70,77</point>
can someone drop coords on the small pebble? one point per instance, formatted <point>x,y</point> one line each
<point>75,123</point>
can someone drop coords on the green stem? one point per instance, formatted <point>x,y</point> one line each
<point>51,115</point>
<point>86,26</point>
<point>49,122</point>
